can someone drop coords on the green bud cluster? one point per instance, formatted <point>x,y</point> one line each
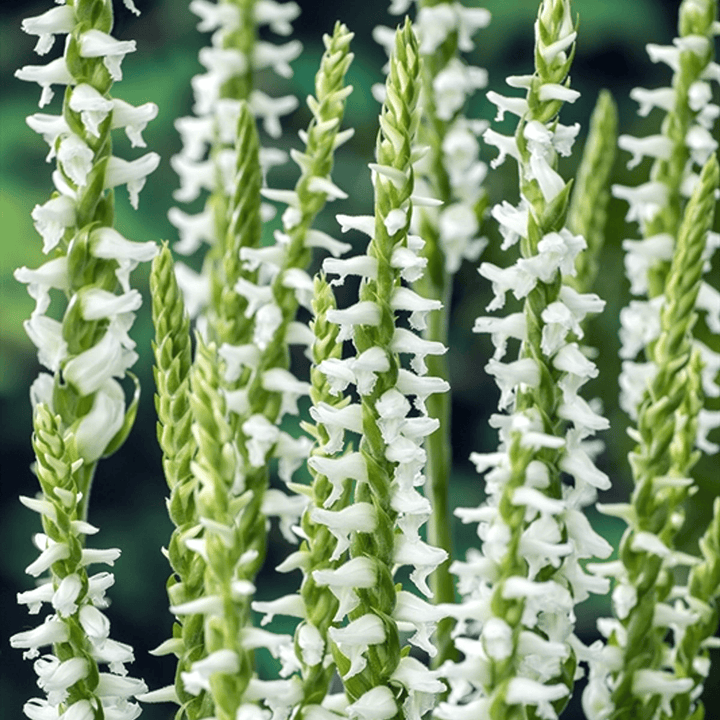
<point>587,212</point>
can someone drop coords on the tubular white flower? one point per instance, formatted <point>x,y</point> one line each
<point>133,174</point>
<point>95,43</point>
<point>54,73</point>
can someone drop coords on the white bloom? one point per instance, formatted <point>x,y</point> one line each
<point>359,517</point>
<point>453,84</point>
<point>350,466</point>
<point>663,98</point>
<point>510,376</point>
<point>46,334</point>
<point>110,357</point>
<point>97,428</point>
<point>361,313</point>
<point>405,341</point>
<point>133,174</point>
<point>644,200</point>
<point>277,15</point>
<point>50,632</point>
<point>224,662</point>
<point>271,110</point>
<point>353,640</point>
<point>647,683</point>
<point>654,146</point>
<point>356,573</point>
<point>497,639</point>
<point>423,557</point>
<point>91,105</point>
<point>59,20</point>
<point>133,119</point>
<point>54,73</point>
<point>524,691</point>
<point>94,43</point>
<point>377,703</point>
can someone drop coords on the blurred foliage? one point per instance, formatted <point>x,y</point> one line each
<point>128,498</point>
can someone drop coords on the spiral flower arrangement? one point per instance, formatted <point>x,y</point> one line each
<point>320,402</point>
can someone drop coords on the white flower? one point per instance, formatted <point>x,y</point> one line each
<point>50,632</point>
<point>497,639</point>
<point>353,640</point>
<point>453,84</point>
<point>356,573</point>
<point>377,703</point>
<point>46,334</point>
<point>515,105</point>
<point>133,119</point>
<point>654,146</point>
<point>361,313</point>
<point>55,677</point>
<point>644,200</point>
<point>56,21</point>
<point>133,174</point>
<point>423,557</point>
<point>359,517</point>
<point>510,376</point>
<point>52,274</point>
<point>277,15</point>
<point>524,691</point>
<point>271,110</point>
<point>94,43</point>
<point>97,428</point>
<point>647,683</point>
<point>91,105</point>
<point>663,98</point>
<point>54,73</point>
<point>110,357</point>
<point>350,466</point>
<point>261,436</point>
<point>405,341</point>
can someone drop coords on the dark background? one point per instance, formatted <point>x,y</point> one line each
<point>129,492</point>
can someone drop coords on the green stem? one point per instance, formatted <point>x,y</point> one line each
<point>84,477</point>
<point>439,467</point>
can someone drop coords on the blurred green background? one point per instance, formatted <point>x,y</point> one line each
<point>129,492</point>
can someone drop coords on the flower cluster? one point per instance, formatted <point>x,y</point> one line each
<point>90,347</point>
<point>237,417</point>
<point>80,409</point>
<point>688,138</point>
<point>521,588</point>
<point>77,630</point>
<point>447,168</point>
<point>379,530</point>
<point>207,161</point>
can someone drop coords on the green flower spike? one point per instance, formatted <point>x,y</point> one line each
<point>587,213</point>
<point>173,359</point>
<point>226,670</point>
<point>321,550</point>
<point>228,317</point>
<point>78,630</point>
<point>661,465</point>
